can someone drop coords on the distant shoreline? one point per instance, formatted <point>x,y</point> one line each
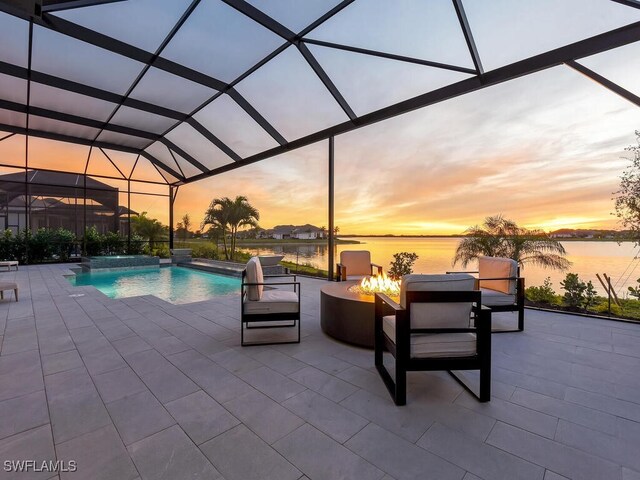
<point>562,239</point>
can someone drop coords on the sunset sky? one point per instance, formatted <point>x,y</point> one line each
<point>545,150</point>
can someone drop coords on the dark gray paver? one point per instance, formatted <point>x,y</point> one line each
<point>270,420</point>
<point>327,385</point>
<point>59,362</point>
<point>399,457</point>
<point>477,457</point>
<point>327,416</point>
<point>99,455</point>
<point>169,455</point>
<point>36,445</point>
<point>138,416</point>
<point>118,384</point>
<point>321,457</point>
<point>239,454</point>
<point>201,417</point>
<point>558,457</point>
<point>23,413</point>
<point>74,404</point>
<point>273,384</point>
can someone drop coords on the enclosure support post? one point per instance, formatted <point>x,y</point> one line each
<point>331,209</point>
<point>172,191</point>
<point>128,216</point>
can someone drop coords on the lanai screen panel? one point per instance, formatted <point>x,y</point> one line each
<point>192,88</point>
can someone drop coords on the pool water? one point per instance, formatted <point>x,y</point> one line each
<point>173,284</point>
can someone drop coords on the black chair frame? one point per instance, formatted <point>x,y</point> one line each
<point>401,349</point>
<point>265,318</point>
<point>518,306</point>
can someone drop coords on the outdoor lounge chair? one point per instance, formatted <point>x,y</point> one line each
<point>8,264</point>
<point>440,324</point>
<point>265,306</point>
<point>8,286</point>
<point>355,265</point>
<point>502,287</point>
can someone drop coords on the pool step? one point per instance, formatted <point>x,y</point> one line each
<point>223,268</point>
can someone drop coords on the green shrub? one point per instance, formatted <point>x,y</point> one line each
<point>402,264</point>
<point>590,295</point>
<point>92,242</point>
<point>204,250</point>
<point>602,306</point>
<point>40,245</point>
<point>8,246</point>
<point>543,294</point>
<point>112,244</point>
<point>63,243</point>
<point>136,246</point>
<point>578,294</point>
<point>161,251</point>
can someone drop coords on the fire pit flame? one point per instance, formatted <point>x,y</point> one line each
<point>378,284</point>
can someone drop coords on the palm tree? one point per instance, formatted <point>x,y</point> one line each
<point>217,216</point>
<point>148,228</point>
<point>499,237</point>
<point>229,216</point>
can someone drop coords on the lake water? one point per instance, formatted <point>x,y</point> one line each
<point>436,254</point>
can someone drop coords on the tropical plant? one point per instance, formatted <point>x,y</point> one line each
<point>92,241</point>
<point>578,293</point>
<point>627,198</point>
<point>499,237</point>
<point>543,294</point>
<point>186,224</point>
<point>635,291</point>
<point>590,295</point>
<point>112,244</point>
<point>63,242</point>
<point>402,264</point>
<point>228,215</point>
<point>574,290</point>
<point>148,228</point>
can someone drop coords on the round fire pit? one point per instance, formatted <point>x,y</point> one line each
<point>345,315</point>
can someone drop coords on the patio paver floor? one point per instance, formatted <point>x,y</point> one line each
<point>140,388</point>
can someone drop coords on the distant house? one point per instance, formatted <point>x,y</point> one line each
<point>299,232</point>
<point>307,232</point>
<point>282,232</point>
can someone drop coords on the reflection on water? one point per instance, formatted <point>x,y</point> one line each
<point>436,254</point>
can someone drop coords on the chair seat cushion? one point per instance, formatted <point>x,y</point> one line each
<point>434,345</point>
<point>273,301</point>
<point>356,277</point>
<point>491,298</point>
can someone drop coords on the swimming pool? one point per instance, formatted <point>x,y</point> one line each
<point>173,284</point>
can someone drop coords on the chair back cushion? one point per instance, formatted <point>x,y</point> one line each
<point>498,267</point>
<point>254,275</point>
<point>438,315</point>
<point>358,262</point>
